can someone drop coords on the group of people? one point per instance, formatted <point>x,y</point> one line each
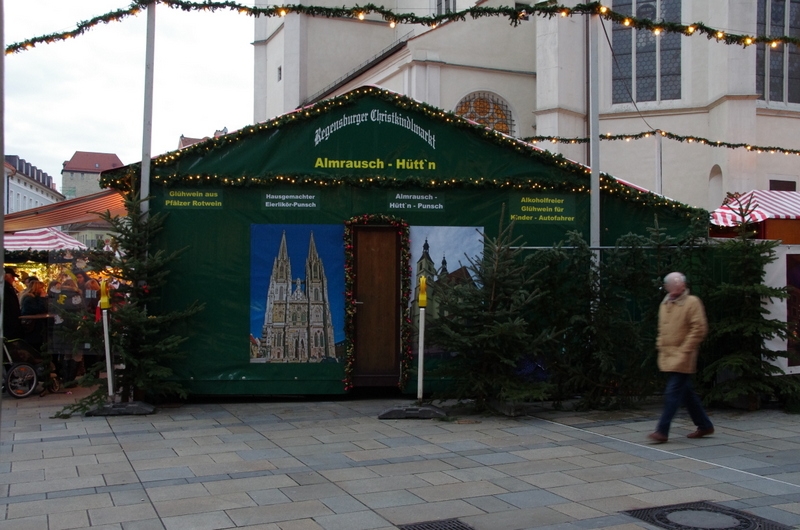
<point>38,313</point>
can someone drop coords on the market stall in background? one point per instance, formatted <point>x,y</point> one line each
<point>306,234</point>
<point>48,264</point>
<point>31,246</point>
<point>774,215</point>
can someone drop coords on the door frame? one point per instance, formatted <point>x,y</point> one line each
<point>405,293</point>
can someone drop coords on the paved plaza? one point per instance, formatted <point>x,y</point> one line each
<point>333,465</point>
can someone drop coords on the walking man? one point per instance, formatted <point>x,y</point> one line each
<point>682,326</point>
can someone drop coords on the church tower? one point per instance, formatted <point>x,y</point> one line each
<point>425,267</point>
<point>275,316</point>
<point>320,325</point>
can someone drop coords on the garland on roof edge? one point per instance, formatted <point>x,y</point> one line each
<point>123,177</point>
<point>515,15</point>
<point>52,256</point>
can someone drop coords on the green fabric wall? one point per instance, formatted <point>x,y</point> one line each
<point>214,192</point>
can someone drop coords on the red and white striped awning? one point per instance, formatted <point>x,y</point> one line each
<point>758,205</point>
<point>79,210</point>
<point>41,239</point>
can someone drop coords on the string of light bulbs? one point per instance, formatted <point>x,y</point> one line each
<point>515,16</point>
<point>665,134</point>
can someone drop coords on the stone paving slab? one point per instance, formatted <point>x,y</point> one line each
<point>331,465</point>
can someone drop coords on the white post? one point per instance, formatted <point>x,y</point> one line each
<point>147,127</point>
<point>3,191</point>
<point>659,179</point>
<point>109,364</point>
<point>594,134</point>
<point>421,349</point>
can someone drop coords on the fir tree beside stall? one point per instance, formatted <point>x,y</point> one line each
<point>481,325</point>
<point>145,342</point>
<point>738,368</point>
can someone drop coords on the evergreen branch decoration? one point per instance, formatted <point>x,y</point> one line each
<point>350,300</point>
<point>665,134</point>
<point>54,256</point>
<point>515,15</point>
<point>576,180</point>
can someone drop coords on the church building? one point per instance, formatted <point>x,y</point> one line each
<point>297,320</point>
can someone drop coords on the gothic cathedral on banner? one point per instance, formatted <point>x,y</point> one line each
<point>297,321</point>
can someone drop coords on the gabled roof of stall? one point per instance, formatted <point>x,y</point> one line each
<point>374,137</point>
<point>757,206</point>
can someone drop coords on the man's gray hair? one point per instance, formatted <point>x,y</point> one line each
<point>674,278</point>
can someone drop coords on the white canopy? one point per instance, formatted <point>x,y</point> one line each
<point>41,239</point>
<point>758,205</point>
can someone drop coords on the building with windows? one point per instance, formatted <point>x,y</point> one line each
<point>81,173</point>
<point>26,186</point>
<point>531,80</point>
<point>81,177</point>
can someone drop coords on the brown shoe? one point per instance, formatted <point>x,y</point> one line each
<point>699,433</point>
<point>657,437</point>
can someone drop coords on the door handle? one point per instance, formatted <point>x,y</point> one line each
<point>356,302</point>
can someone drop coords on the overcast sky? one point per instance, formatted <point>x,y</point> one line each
<point>86,94</point>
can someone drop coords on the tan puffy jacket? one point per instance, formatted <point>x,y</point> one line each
<point>682,326</point>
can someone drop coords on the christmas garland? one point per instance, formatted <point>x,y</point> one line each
<point>514,14</point>
<point>671,136</point>
<point>52,256</point>
<point>575,181</point>
<point>349,295</point>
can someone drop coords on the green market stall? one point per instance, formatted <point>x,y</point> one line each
<point>306,234</point>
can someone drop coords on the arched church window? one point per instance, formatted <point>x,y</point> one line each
<point>487,109</point>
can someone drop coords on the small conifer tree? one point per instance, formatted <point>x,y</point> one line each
<point>737,368</point>
<point>145,342</point>
<point>481,324</point>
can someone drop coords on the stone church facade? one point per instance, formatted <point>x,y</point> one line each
<point>531,80</point>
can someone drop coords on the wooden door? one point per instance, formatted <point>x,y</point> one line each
<point>377,293</point>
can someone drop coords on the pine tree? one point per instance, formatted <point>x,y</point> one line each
<point>145,341</point>
<point>480,323</point>
<point>737,367</point>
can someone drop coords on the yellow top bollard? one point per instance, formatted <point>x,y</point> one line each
<point>104,302</point>
<point>423,295</point>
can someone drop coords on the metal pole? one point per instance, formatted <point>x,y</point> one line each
<point>147,128</point>
<point>594,133</point>
<point>3,156</point>
<point>659,177</point>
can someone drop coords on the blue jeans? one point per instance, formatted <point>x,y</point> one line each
<point>679,392</point>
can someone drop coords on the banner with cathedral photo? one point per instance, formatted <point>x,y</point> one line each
<point>440,253</point>
<point>296,293</point>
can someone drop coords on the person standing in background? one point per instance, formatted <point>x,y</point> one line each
<point>34,304</point>
<point>12,326</point>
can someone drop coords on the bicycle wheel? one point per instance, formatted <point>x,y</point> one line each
<point>21,380</point>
